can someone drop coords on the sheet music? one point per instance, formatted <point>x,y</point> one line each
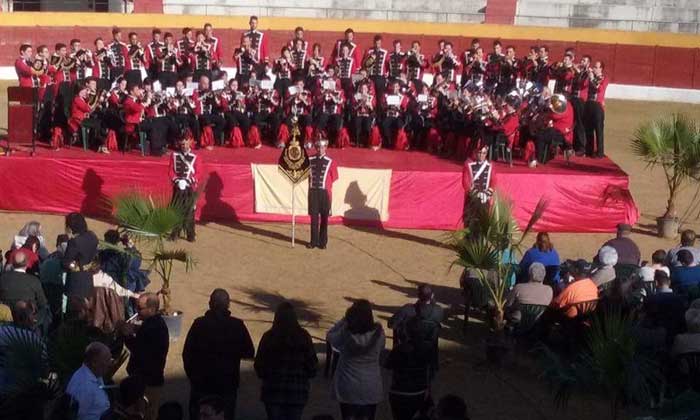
<point>218,85</point>
<point>393,100</point>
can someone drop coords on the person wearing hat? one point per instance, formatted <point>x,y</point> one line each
<point>184,171</point>
<point>582,289</point>
<point>323,173</point>
<point>627,250</point>
<point>477,180</point>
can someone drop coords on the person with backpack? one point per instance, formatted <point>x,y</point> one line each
<point>419,323</point>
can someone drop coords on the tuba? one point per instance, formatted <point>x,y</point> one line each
<point>369,61</point>
<point>557,103</point>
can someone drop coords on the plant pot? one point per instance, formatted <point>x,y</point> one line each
<point>174,323</point>
<point>667,227</point>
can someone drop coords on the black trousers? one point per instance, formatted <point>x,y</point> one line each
<point>357,411</point>
<point>319,208</point>
<point>282,86</point>
<point>181,198</point>
<point>217,124</point>
<point>115,73</point>
<point>104,84</point>
<point>190,121</point>
<point>237,119</point>
<point>95,125</point>
<point>379,85</point>
<point>390,126</point>
<point>199,73</point>
<point>405,407</point>
<point>421,127</point>
<point>133,77</point>
<point>579,127</point>
<point>230,399</point>
<point>544,140</point>
<point>362,126</point>
<point>159,130</point>
<point>167,79</point>
<point>271,121</point>
<point>348,88</point>
<point>595,128</point>
<point>331,123</point>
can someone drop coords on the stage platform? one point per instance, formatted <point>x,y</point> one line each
<point>425,192</point>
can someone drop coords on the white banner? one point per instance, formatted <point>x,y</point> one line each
<point>359,194</point>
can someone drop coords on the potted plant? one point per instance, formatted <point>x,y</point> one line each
<point>673,143</point>
<point>487,247</point>
<point>150,221</point>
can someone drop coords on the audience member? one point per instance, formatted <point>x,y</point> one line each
<point>17,285</point>
<point>690,341</point>
<point>627,249</point>
<point>211,407</point>
<point>658,259</point>
<point>531,293</point>
<point>32,228</point>
<point>357,383</point>
<point>80,252</point>
<point>5,314</point>
<point>605,273</point>
<point>542,252</point>
<point>212,354</point>
<point>148,345</point>
<point>664,309</point>
<point>131,404</point>
<point>51,276</point>
<point>171,410</point>
<point>285,362</point>
<point>582,289</point>
<point>86,386</point>
<point>30,248</point>
<point>113,260</point>
<point>687,243</point>
<point>687,274</point>
<point>451,407</point>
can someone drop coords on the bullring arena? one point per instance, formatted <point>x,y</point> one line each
<point>382,258</point>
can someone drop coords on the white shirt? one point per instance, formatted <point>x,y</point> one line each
<point>102,279</point>
<point>86,389</point>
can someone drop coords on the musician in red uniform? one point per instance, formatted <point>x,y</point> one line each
<point>216,50</point>
<point>424,110</point>
<point>396,65</point>
<point>208,108</point>
<point>450,65</point>
<point>184,172</point>
<point>564,74</point>
<point>595,111</point>
<point>579,96</point>
<point>237,113</point>
<point>283,68</point>
<point>153,50</point>
<point>478,181</point>
<point>314,67</point>
<point>265,103</point>
<point>299,105</point>
<point>168,59</point>
<point>299,53</point>
<point>120,52</point>
<point>353,50</point>
<point>375,62</point>
<point>201,57</point>
<point>28,76</point>
<point>394,113</point>
<point>416,63</point>
<point>103,61</point>
<point>246,61</point>
<point>543,67</point>
<point>346,68</point>
<point>322,174</point>
<point>83,60</point>
<point>185,46</point>
<point>559,131</point>
<point>258,42</point>
<point>364,104</point>
<point>135,60</point>
<point>330,103</point>
<point>134,109</point>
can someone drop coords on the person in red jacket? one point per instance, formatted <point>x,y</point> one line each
<point>133,109</point>
<point>559,131</point>
<point>395,105</point>
<point>594,119</point>
<point>217,54</point>
<point>322,174</point>
<point>28,76</point>
<point>184,172</point>
<point>259,43</point>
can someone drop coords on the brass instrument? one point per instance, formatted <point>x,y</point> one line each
<point>558,104</point>
<point>204,49</point>
<point>369,61</point>
<point>56,60</point>
<point>39,65</point>
<point>412,59</point>
<point>136,51</point>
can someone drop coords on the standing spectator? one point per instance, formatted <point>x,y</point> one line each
<point>86,385</point>
<point>149,349</point>
<point>17,285</point>
<point>51,276</point>
<point>80,252</point>
<point>542,252</point>
<point>627,250</point>
<point>531,293</point>
<point>605,273</point>
<point>212,355</point>
<point>687,274</point>
<point>688,243</point>
<point>410,381</point>
<point>665,309</point>
<point>285,362</point>
<point>357,384</point>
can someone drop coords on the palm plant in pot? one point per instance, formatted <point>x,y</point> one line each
<point>487,247</point>
<point>673,143</point>
<point>151,221</point>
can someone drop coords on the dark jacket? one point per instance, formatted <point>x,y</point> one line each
<point>81,250</point>
<point>627,250</point>
<point>285,362</point>
<point>16,285</point>
<point>149,349</point>
<point>213,350</point>
<point>410,369</point>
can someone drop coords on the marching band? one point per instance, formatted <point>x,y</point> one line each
<point>446,103</point>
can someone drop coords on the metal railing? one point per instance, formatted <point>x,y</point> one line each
<point>608,23</point>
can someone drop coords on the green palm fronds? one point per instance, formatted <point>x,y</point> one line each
<point>179,255</point>
<point>146,217</point>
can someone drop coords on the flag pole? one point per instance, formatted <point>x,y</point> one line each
<point>294,185</point>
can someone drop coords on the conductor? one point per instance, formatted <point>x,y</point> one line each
<point>324,172</point>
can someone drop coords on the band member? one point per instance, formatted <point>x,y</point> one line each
<point>558,130</point>
<point>579,96</point>
<point>397,62</point>
<point>168,59</point>
<point>314,67</point>
<point>375,62</point>
<point>120,52</point>
<point>450,64</point>
<point>564,73</point>
<point>216,50</point>
<point>298,105</point>
<point>283,68</point>
<point>394,115</point>
<point>134,108</point>
<point>478,181</point>
<point>201,57</point>
<point>438,58</point>
<point>330,108</point>
<point>543,67</point>
<point>84,104</point>
<point>299,36</point>
<point>595,111</point>
<point>152,51</point>
<point>83,60</point>
<point>416,63</point>
<point>208,108</point>
<point>299,54</point>
<point>103,62</point>
<point>346,68</point>
<point>353,50</point>
<point>136,60</point>
<point>185,117</point>
<point>425,112</point>
<point>510,71</point>
<point>363,113</point>
<point>184,172</point>
<point>237,113</point>
<point>529,63</point>
<point>185,46</point>
<point>246,61</point>
<point>258,41</point>
<point>27,75</point>
<point>60,70</point>
<point>323,173</point>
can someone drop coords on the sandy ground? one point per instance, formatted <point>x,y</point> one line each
<point>255,263</point>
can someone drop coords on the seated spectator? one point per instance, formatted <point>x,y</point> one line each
<point>542,252</point>
<point>211,407</point>
<point>605,273</point>
<point>658,259</point>
<point>5,314</point>
<point>285,362</point>
<point>531,293</point>
<point>664,309</point>
<point>687,243</point>
<point>18,285</point>
<point>114,261</point>
<point>131,404</point>
<point>86,386</point>
<point>687,274</point>
<point>171,410</point>
<point>690,341</point>
<point>32,228</point>
<point>357,383</point>
<point>30,248</point>
<point>627,249</point>
<point>582,289</point>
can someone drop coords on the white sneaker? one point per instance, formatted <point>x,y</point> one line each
<point>532,164</point>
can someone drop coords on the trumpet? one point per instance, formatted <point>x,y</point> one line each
<point>135,50</point>
<point>413,59</point>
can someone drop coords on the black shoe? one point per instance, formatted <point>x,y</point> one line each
<point>580,153</point>
<point>322,247</point>
<point>190,239</point>
<point>310,246</point>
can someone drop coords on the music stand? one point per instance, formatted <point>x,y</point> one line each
<point>25,96</point>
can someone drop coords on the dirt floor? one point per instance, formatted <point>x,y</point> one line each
<point>255,263</point>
